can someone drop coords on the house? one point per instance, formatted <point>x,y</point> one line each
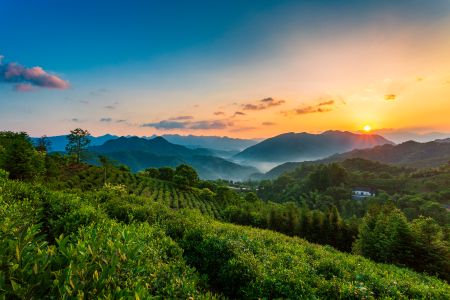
<point>359,193</point>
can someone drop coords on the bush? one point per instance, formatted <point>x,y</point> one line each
<point>111,260</point>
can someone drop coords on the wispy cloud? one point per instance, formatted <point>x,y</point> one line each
<point>181,118</point>
<point>190,125</point>
<point>321,107</point>
<point>390,97</point>
<point>239,113</point>
<point>263,104</point>
<point>121,121</point>
<point>219,113</point>
<point>268,123</point>
<point>105,119</point>
<point>25,79</point>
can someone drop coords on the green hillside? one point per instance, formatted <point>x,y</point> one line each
<point>105,244</point>
<point>74,230</point>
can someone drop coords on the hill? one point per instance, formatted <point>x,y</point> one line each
<point>221,143</point>
<point>140,153</point>
<point>290,147</point>
<point>107,244</point>
<point>58,142</point>
<point>411,154</point>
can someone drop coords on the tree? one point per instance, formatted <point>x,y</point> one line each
<point>166,173</point>
<point>43,144</point>
<point>432,248</point>
<point>385,236</point>
<point>185,175</point>
<point>152,172</point>
<point>19,157</point>
<point>106,164</point>
<point>78,141</point>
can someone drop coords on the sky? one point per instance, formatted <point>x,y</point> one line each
<point>249,69</point>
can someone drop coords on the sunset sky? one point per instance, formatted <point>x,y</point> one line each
<point>248,69</point>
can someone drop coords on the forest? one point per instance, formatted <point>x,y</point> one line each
<point>77,226</point>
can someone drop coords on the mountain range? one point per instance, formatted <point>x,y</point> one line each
<point>291,147</point>
<point>58,142</point>
<point>141,153</point>
<point>220,145</point>
<point>408,154</point>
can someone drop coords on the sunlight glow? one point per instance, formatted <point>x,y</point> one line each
<point>367,128</point>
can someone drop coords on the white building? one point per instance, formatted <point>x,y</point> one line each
<point>359,193</point>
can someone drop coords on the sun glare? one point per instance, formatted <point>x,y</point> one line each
<point>367,128</point>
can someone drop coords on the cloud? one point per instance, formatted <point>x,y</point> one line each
<point>268,123</point>
<point>219,113</point>
<point>181,118</point>
<point>325,103</point>
<point>105,119</point>
<point>262,104</point>
<point>321,107</point>
<point>76,120</point>
<point>84,102</point>
<point>239,113</point>
<point>121,121</point>
<point>390,97</point>
<point>190,125</point>
<point>24,87</point>
<point>110,107</point>
<point>98,92</point>
<point>26,78</point>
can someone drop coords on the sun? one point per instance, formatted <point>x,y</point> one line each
<point>367,128</point>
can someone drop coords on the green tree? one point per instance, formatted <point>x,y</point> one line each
<point>185,175</point>
<point>432,248</point>
<point>78,141</point>
<point>19,158</point>
<point>385,236</point>
<point>43,144</point>
<point>166,173</point>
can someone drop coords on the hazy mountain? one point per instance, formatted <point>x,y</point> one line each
<point>157,146</point>
<point>400,136</point>
<point>59,142</point>
<point>141,153</point>
<point>411,153</point>
<point>290,147</point>
<point>222,143</point>
<point>408,154</point>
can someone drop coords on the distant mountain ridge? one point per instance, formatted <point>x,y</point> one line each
<point>141,153</point>
<point>59,142</point>
<point>304,146</point>
<point>409,154</point>
<point>222,143</point>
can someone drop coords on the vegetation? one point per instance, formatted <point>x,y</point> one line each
<point>73,230</point>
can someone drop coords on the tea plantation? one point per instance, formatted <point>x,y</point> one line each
<point>107,243</point>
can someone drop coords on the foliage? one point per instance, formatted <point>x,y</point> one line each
<point>386,236</point>
<point>19,158</point>
<point>77,142</point>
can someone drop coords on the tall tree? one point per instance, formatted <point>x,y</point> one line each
<point>19,158</point>
<point>43,144</point>
<point>78,141</point>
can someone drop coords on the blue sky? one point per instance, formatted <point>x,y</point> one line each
<point>131,63</point>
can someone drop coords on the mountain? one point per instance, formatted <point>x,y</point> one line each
<point>303,146</point>
<point>447,140</point>
<point>58,143</point>
<point>157,146</point>
<point>411,154</point>
<point>141,153</point>
<point>221,143</point>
